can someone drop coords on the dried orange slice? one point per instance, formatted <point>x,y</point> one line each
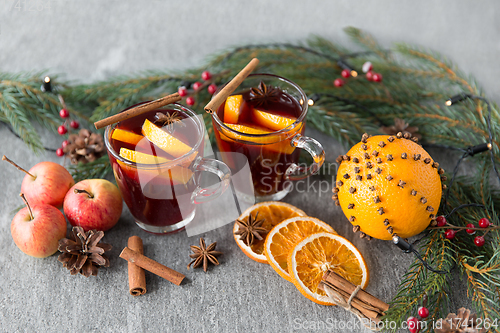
<point>233,107</point>
<point>138,157</point>
<point>273,212</point>
<point>271,120</point>
<point>283,237</point>
<point>315,254</point>
<point>165,141</point>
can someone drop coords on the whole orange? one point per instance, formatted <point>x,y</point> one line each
<point>388,185</point>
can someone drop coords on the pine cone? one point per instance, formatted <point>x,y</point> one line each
<point>82,252</point>
<point>463,322</point>
<point>84,147</point>
<point>401,126</point>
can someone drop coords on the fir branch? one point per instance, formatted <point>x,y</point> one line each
<point>99,168</point>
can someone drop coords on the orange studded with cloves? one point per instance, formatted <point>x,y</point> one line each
<point>388,185</point>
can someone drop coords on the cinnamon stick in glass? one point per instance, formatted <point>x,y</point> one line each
<point>366,303</point>
<point>140,109</point>
<point>136,276</point>
<point>230,87</point>
<point>152,266</point>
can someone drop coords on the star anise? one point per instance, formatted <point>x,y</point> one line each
<point>461,322</point>
<point>204,254</point>
<point>168,120</point>
<point>82,252</point>
<point>251,229</point>
<point>264,94</point>
<point>401,126</point>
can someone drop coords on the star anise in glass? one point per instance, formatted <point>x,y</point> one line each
<point>168,120</point>
<point>203,255</point>
<point>82,253</point>
<point>401,126</point>
<point>251,229</point>
<point>262,95</point>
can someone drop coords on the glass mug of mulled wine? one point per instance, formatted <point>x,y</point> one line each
<point>157,160</point>
<point>264,121</point>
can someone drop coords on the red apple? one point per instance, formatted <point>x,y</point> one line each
<point>37,230</point>
<point>46,182</point>
<point>93,204</point>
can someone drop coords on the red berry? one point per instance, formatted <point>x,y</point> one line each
<point>367,66</point>
<point>484,222</point>
<point>413,325</point>
<point>345,73</point>
<point>190,101</point>
<point>212,89</point>
<point>65,143</point>
<point>62,130</point>
<point>369,75</point>
<point>377,77</point>
<point>64,113</point>
<point>196,85</point>
<point>479,241</point>
<point>182,91</point>
<point>206,75</point>
<point>450,234</point>
<point>338,82</point>
<point>423,312</point>
<point>60,152</point>
<point>470,231</point>
<point>74,124</point>
<point>441,221</point>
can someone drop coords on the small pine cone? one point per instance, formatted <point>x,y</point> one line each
<point>84,147</point>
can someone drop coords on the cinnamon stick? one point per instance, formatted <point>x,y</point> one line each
<point>152,266</point>
<point>332,278</point>
<point>140,109</point>
<point>230,87</point>
<point>136,276</point>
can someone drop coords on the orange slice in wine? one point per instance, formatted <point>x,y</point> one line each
<point>138,157</point>
<point>267,142</point>
<point>164,140</point>
<point>126,136</point>
<point>178,174</point>
<point>271,120</point>
<point>233,107</point>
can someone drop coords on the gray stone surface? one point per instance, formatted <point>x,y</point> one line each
<point>91,40</point>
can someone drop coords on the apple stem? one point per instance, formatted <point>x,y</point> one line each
<point>4,158</point>
<point>27,205</point>
<point>84,191</point>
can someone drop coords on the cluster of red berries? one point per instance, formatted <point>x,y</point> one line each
<point>367,69</point>
<point>63,129</point>
<point>211,88</point>
<point>450,233</point>
<point>413,323</point>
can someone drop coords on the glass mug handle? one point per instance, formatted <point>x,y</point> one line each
<point>313,147</point>
<point>220,169</point>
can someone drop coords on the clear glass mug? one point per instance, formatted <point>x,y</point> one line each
<point>162,196</point>
<point>273,156</point>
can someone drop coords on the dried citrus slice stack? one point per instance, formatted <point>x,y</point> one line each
<point>272,212</point>
<point>283,237</point>
<point>316,254</point>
